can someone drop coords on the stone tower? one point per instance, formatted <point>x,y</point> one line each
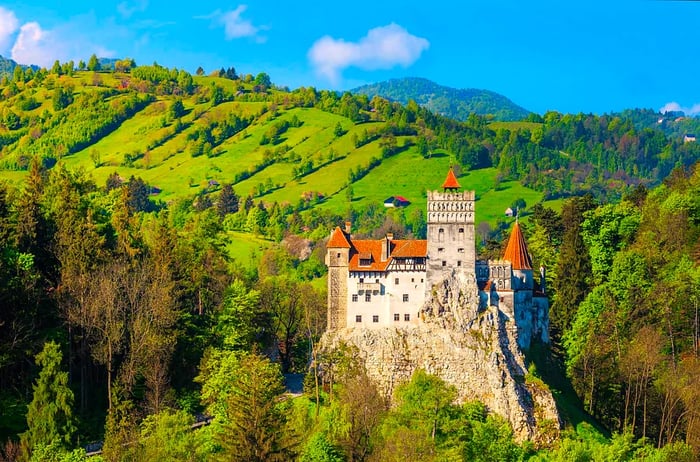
<point>451,245</point>
<point>337,261</point>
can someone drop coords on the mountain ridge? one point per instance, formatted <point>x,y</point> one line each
<point>456,103</point>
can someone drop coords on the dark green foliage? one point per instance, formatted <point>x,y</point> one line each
<point>228,200</point>
<point>453,103</point>
<point>50,414</point>
<point>573,267</point>
<point>62,97</point>
<point>138,195</point>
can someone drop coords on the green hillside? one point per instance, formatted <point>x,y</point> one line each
<point>450,102</point>
<point>186,136</point>
<point>103,128</point>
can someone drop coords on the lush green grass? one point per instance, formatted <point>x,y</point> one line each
<point>170,167</point>
<point>245,248</point>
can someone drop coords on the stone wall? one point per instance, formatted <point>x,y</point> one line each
<point>475,350</point>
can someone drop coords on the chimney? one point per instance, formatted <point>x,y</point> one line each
<point>348,227</point>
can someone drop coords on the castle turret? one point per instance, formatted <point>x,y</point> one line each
<point>450,231</point>
<point>521,263</point>
<point>337,260</point>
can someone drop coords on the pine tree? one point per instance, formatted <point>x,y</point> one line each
<point>573,267</point>
<point>228,201</point>
<point>50,414</point>
<point>254,421</point>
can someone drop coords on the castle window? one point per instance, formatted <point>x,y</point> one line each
<point>362,280</point>
<point>368,297</point>
<point>375,318</point>
<point>461,231</point>
<point>441,249</point>
<point>421,279</point>
<point>444,263</point>
<point>338,255</point>
<point>460,250</point>
<point>406,317</point>
<point>413,280</point>
<point>405,297</point>
<point>354,297</point>
<point>396,316</point>
<point>358,318</point>
<point>396,281</point>
<point>441,235</point>
<point>459,263</point>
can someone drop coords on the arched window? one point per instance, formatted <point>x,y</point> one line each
<point>441,235</point>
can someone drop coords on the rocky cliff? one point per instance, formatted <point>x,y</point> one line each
<point>475,350</point>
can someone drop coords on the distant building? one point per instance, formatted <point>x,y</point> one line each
<point>688,138</point>
<point>378,283</point>
<point>396,201</point>
<point>509,212</point>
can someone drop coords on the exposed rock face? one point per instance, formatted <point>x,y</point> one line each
<point>476,351</point>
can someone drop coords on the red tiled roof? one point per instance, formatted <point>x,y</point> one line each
<point>338,239</point>
<point>406,249</point>
<point>516,250</point>
<point>372,250</point>
<point>451,181</point>
<point>401,198</point>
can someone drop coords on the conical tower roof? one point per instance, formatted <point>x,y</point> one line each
<point>516,250</point>
<point>338,240</point>
<point>451,181</point>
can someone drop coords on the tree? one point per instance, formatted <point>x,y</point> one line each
<point>228,201</point>
<point>177,109</point>
<point>242,391</point>
<point>50,414</point>
<point>56,68</point>
<point>573,267</point>
<point>338,130</point>
<point>93,63</point>
<point>199,71</point>
<point>263,80</point>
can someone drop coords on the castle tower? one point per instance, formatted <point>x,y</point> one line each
<point>451,243</point>
<point>521,263</point>
<point>337,261</point>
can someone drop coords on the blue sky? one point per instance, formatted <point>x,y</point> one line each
<point>586,56</point>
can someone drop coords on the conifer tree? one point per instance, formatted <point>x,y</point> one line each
<point>228,201</point>
<point>50,414</point>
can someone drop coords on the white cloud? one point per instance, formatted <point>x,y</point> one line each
<point>35,45</point>
<point>675,107</point>
<point>8,26</point>
<point>382,48</point>
<point>235,26</point>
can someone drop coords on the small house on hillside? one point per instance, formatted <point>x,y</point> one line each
<point>396,201</point>
<point>688,138</point>
<point>509,212</point>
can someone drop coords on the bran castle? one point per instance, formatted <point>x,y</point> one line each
<point>385,282</point>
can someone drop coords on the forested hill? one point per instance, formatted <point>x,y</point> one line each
<point>674,124</point>
<point>160,230</point>
<point>450,102</point>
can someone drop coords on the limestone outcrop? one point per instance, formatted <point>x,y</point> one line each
<point>474,350</point>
